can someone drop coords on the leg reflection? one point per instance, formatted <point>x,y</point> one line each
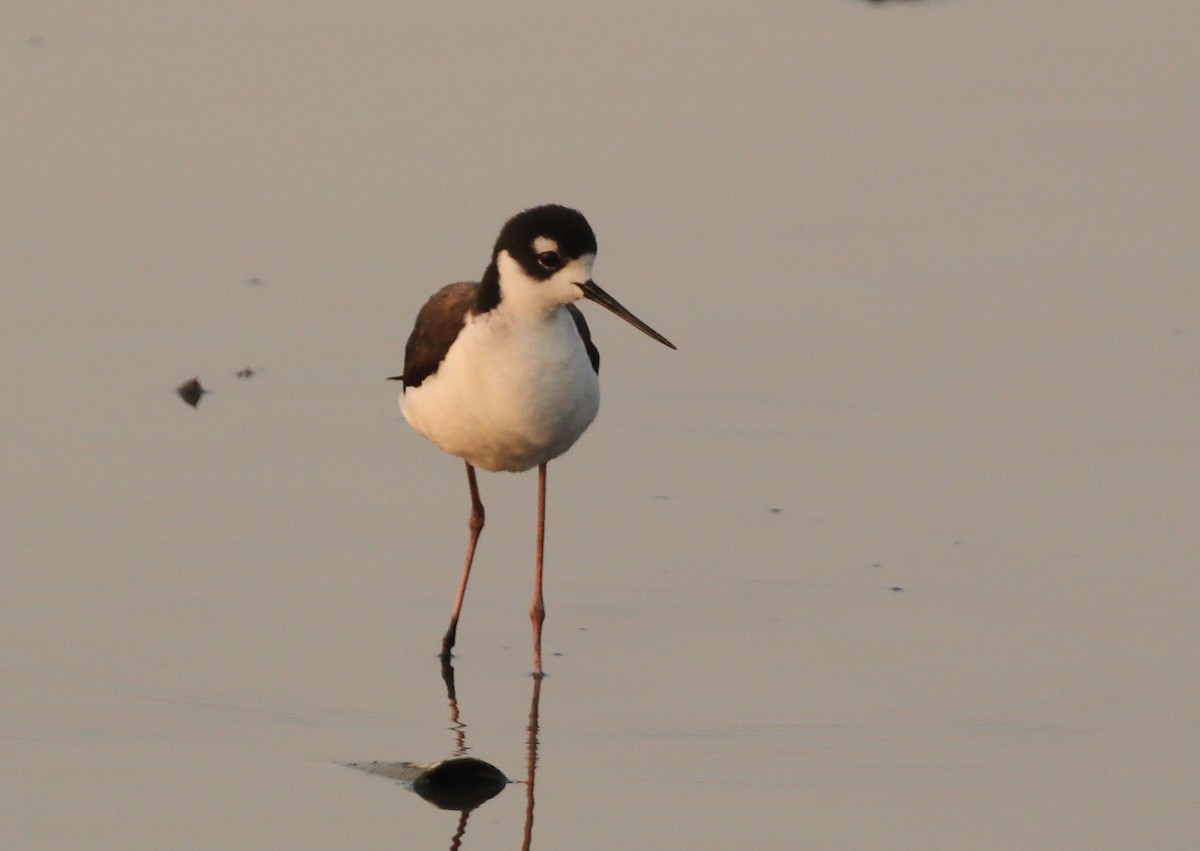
<point>531,750</point>
<point>457,726</point>
<point>461,782</point>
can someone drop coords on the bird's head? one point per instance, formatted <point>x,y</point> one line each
<point>543,260</point>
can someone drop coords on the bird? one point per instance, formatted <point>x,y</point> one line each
<point>502,372</point>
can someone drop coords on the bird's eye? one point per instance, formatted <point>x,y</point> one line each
<point>551,260</point>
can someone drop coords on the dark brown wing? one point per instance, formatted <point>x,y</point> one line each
<point>437,326</point>
<point>582,326</point>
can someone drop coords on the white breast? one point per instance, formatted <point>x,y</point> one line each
<point>512,392</point>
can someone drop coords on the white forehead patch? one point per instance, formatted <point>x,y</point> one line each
<point>544,243</point>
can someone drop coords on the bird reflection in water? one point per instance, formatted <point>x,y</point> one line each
<point>463,782</point>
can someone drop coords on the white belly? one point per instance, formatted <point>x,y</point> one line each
<point>510,394</point>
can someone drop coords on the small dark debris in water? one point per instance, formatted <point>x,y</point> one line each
<point>461,783</point>
<point>254,282</point>
<point>661,496</point>
<point>876,565</point>
<point>957,542</point>
<point>895,588</point>
<point>775,510</point>
<point>191,391</point>
<point>583,629</point>
<point>248,372</point>
<point>556,654</point>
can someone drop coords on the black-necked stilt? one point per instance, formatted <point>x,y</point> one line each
<point>503,372</point>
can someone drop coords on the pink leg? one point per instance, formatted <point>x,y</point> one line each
<point>475,524</point>
<point>537,612</point>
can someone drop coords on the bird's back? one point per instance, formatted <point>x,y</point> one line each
<point>438,324</point>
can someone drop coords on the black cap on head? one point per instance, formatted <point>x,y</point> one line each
<point>567,227</point>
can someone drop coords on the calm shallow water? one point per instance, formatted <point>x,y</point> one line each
<point>932,271</point>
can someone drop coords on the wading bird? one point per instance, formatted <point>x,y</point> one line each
<point>503,372</point>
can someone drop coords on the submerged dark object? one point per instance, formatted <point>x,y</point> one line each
<point>191,391</point>
<point>461,783</point>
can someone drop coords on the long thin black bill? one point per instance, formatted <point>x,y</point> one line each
<point>592,292</point>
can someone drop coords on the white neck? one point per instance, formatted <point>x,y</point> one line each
<point>521,295</point>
